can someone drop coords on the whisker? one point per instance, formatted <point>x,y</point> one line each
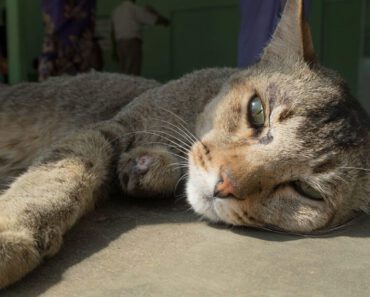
<point>182,163</point>
<point>182,120</point>
<point>184,150</point>
<point>179,147</point>
<point>167,145</point>
<point>178,164</point>
<point>356,168</point>
<point>186,145</point>
<point>180,130</point>
<point>123,135</point>
<point>184,176</point>
<point>172,113</point>
<point>179,156</point>
<point>170,138</point>
<point>181,197</point>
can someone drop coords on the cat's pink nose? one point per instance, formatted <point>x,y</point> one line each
<point>224,188</point>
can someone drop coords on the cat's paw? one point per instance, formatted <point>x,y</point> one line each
<point>19,254</point>
<point>148,171</point>
<point>23,248</point>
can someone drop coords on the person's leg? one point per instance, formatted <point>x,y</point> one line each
<point>129,54</point>
<point>258,21</point>
<point>122,55</point>
<point>135,54</point>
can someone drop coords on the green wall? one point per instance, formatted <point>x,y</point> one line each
<point>33,34</point>
<point>203,37</point>
<point>2,4</point>
<point>202,34</point>
<point>337,30</point>
<point>16,54</point>
<point>367,30</point>
<point>24,38</point>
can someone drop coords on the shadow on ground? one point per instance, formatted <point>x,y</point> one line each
<point>96,231</point>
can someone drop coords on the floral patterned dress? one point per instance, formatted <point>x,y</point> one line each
<point>69,45</point>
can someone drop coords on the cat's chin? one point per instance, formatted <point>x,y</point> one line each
<point>199,195</point>
<point>199,190</point>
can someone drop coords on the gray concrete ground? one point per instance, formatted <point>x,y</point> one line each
<point>146,250</point>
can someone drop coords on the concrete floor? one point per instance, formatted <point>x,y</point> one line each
<point>164,250</point>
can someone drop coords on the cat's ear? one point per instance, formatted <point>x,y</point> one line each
<point>292,35</point>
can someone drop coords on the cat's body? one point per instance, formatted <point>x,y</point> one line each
<point>33,116</point>
<point>37,116</point>
<point>49,124</point>
<point>281,144</point>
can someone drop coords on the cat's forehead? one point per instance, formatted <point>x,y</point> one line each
<point>296,85</point>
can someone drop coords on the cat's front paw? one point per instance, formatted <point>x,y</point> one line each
<point>19,255</point>
<point>148,171</point>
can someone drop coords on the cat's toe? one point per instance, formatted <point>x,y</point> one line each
<point>18,256</point>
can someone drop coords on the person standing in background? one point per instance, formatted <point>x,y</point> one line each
<point>259,19</point>
<point>69,45</point>
<point>127,22</point>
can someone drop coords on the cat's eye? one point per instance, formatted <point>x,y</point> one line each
<point>256,112</point>
<point>307,191</point>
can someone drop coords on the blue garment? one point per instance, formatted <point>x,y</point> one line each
<point>69,45</point>
<point>259,19</point>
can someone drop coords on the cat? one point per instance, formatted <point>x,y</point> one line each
<point>280,145</point>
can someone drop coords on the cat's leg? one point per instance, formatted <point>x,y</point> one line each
<point>149,171</point>
<point>47,200</point>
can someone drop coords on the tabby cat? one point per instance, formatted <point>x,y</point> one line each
<point>281,145</point>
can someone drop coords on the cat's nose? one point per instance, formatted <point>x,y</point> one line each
<point>224,188</point>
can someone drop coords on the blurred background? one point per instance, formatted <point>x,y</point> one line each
<point>202,33</point>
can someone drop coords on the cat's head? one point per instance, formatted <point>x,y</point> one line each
<point>282,144</point>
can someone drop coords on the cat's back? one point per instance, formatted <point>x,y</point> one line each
<point>94,95</point>
<point>33,115</point>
